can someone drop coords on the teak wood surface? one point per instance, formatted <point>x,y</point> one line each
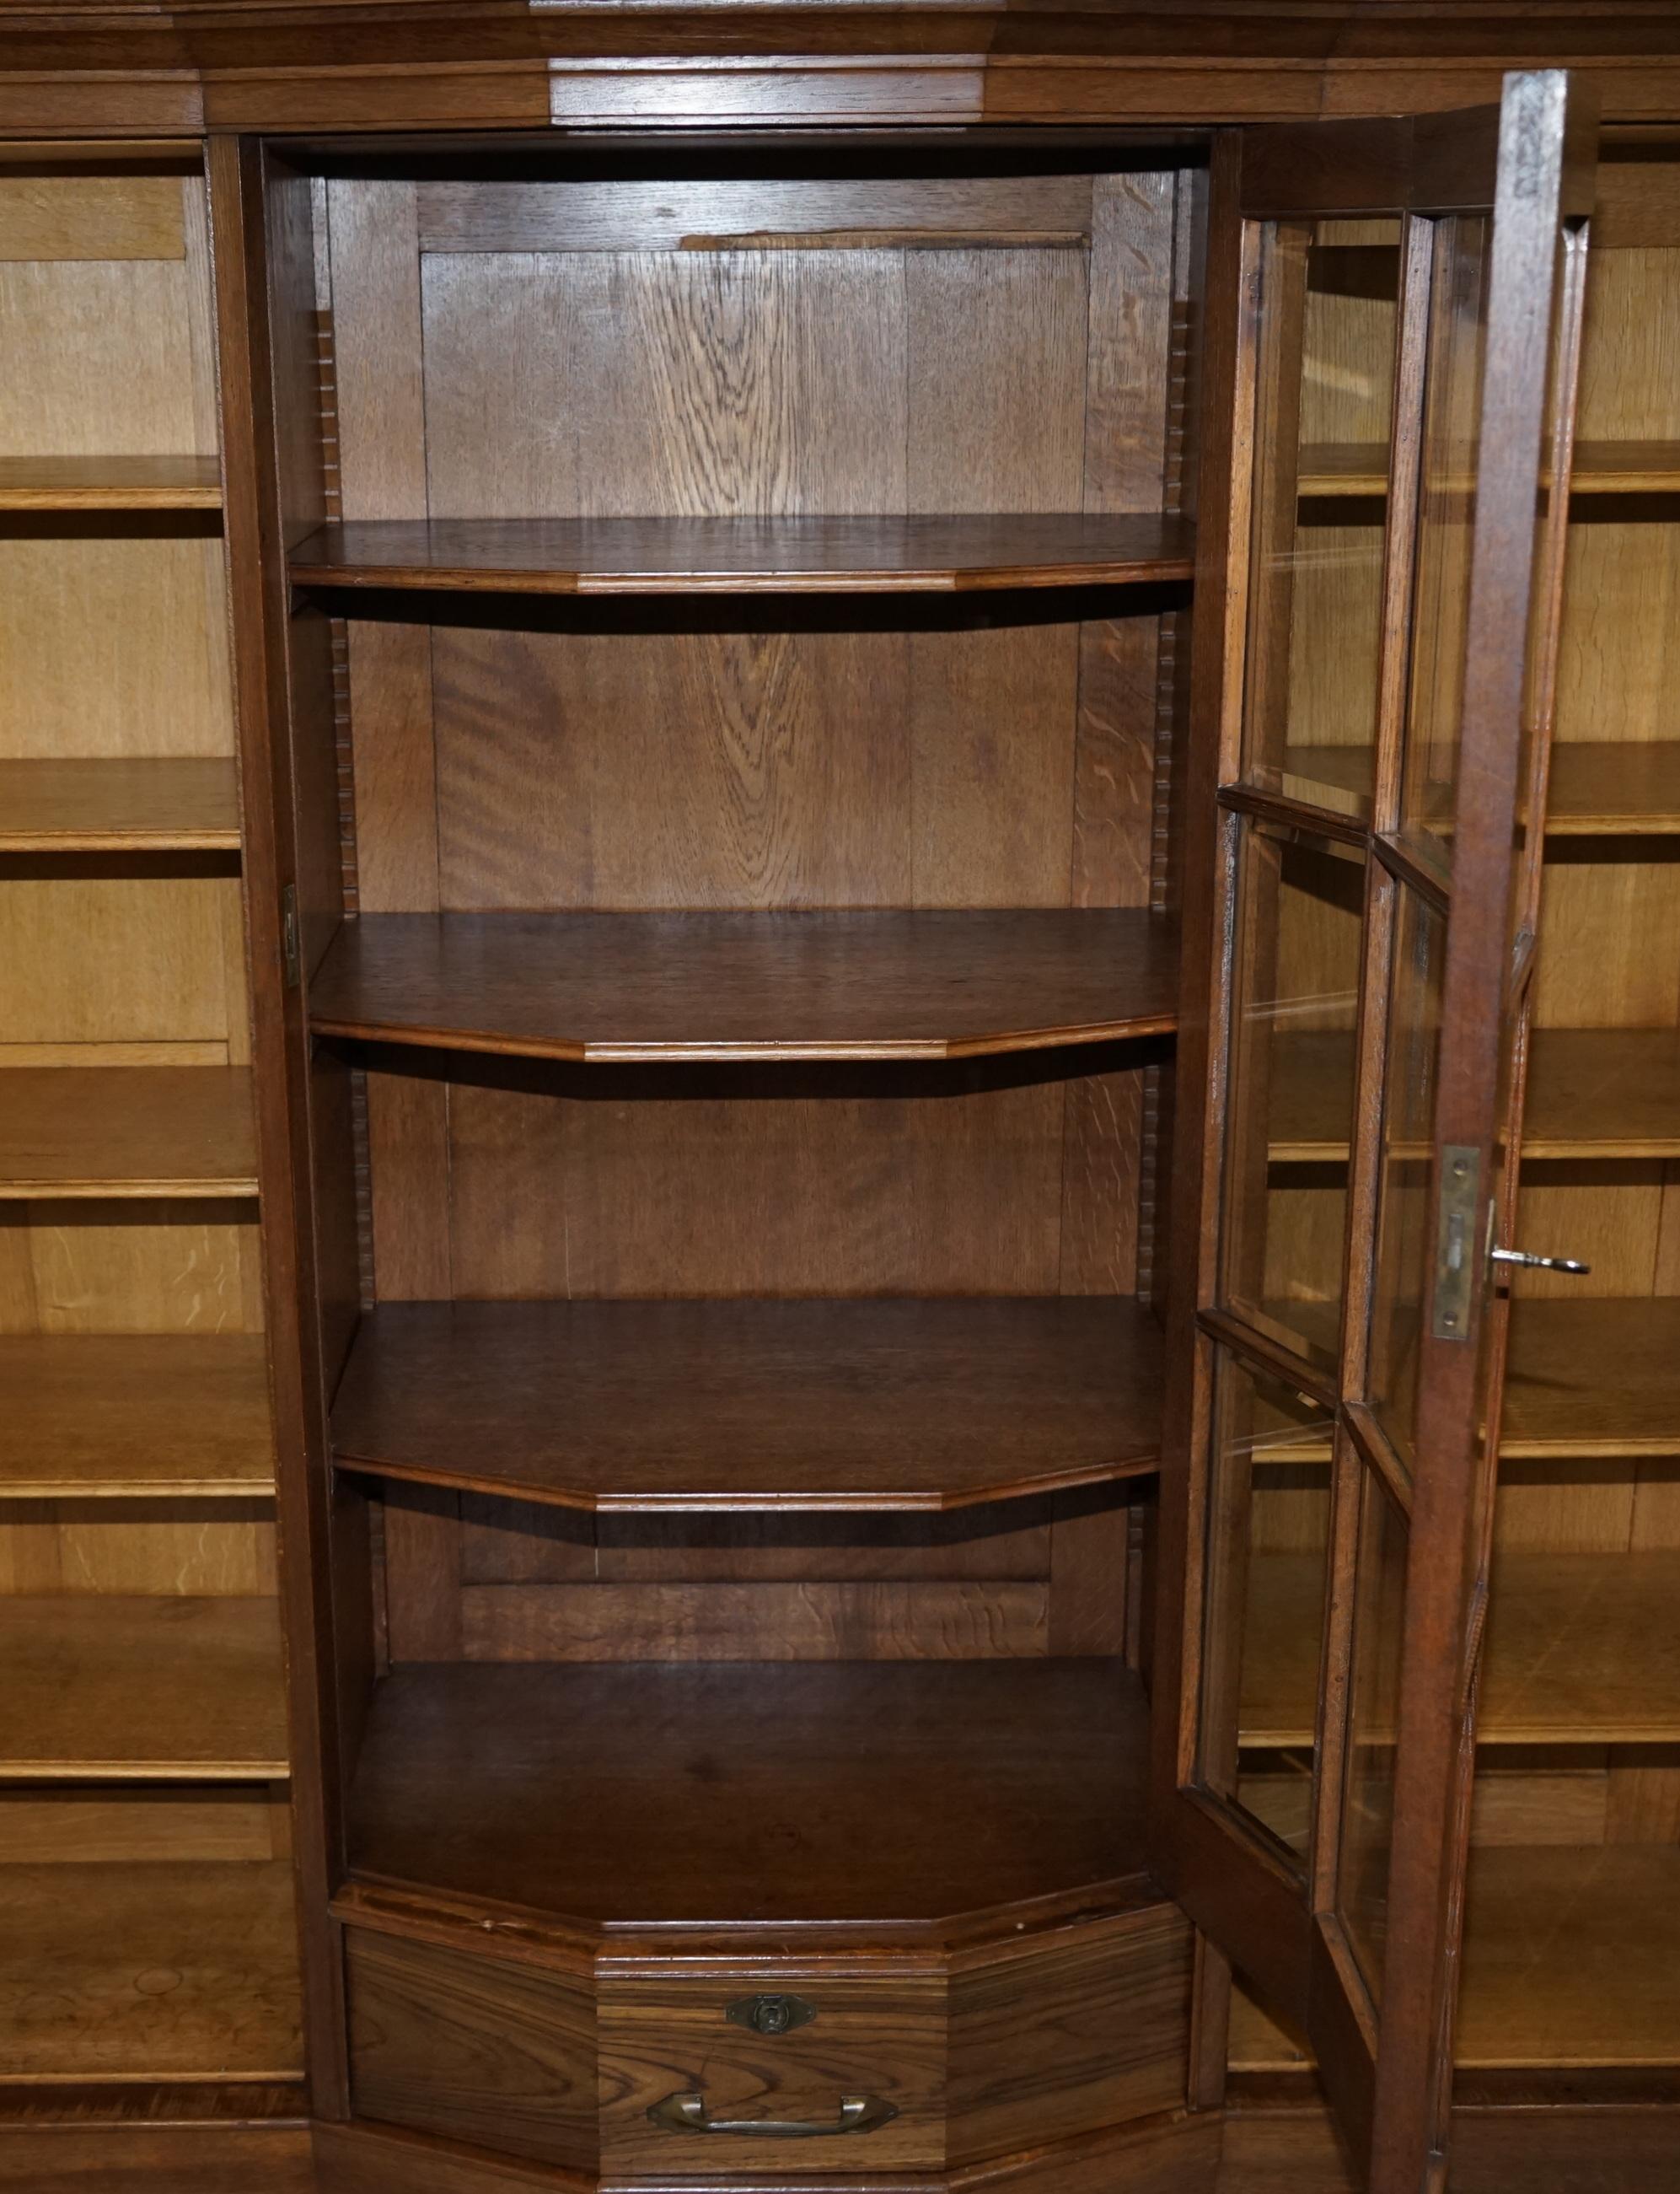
<point>668,1406</point>
<point>788,986</point>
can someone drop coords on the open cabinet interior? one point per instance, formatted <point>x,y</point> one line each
<point>150,1941</point>
<point>738,657</point>
<point>1573,1901</point>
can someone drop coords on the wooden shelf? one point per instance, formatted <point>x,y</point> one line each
<point>1359,468</point>
<point>1571,1956</point>
<point>149,1971</point>
<point>176,804</point>
<point>163,1687</point>
<point>1598,1377</point>
<point>1599,787</point>
<point>649,1795</point>
<point>109,484</point>
<point>1591,1094</point>
<point>737,555</point>
<point>914,1405</point>
<point>750,986</point>
<point>1582,1649</point>
<point>127,1131</point>
<point>118,1415</point>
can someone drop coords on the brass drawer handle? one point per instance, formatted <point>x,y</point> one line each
<point>858,2114</point>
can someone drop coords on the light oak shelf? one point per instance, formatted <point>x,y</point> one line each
<point>737,555</point>
<point>109,484</point>
<point>1582,1649</point>
<point>173,804</point>
<point>886,1792</point>
<point>750,986</point>
<point>157,1688</point>
<point>1598,788</point>
<point>127,1415</point>
<point>127,1131</point>
<point>1591,1094</point>
<point>1571,1956</point>
<point>149,1971</point>
<point>651,1406</point>
<point>1359,468</point>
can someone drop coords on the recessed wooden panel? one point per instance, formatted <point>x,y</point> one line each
<point>65,1824</point>
<point>882,2038</point>
<point>147,671</point>
<point>855,1791</point>
<point>810,1405</point>
<point>473,2048</point>
<point>130,1267</point>
<point>100,1688</point>
<point>120,959</point>
<point>96,357</point>
<point>91,216</point>
<point>169,1970</point>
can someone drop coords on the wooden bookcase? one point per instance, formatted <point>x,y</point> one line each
<point>726,948</point>
<point>150,1963</point>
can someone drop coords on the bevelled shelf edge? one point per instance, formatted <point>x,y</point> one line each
<point>646,1055</point>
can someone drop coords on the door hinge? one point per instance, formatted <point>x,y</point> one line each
<point>1456,1263</point>
<point>289,950</point>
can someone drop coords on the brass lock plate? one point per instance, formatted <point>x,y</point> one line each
<point>771,2015</point>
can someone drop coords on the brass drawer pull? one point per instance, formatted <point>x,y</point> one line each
<point>858,2114</point>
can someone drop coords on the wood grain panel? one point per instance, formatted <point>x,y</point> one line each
<point>815,1404</point>
<point>114,1414</point>
<point>996,343</point>
<point>472,2048</point>
<point>1069,2035</point>
<point>136,1267</point>
<point>93,216</point>
<point>147,674</point>
<point>862,1790</point>
<point>812,1621</point>
<point>162,1971</point>
<point>66,1826</point>
<point>151,1545</point>
<point>123,958</point>
<point>96,358</point>
<point>803,985</point>
<point>884,2037</point>
<point>903,1187</point>
<point>100,1688</point>
<point>686,385</point>
<point>708,212</point>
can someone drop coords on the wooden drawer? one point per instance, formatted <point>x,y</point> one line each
<point>879,2038</point>
<point>473,2047</point>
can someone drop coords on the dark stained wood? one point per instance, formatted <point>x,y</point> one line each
<point>851,1792</point>
<point>788,986</point>
<point>122,1413</point>
<point>147,2159</point>
<point>173,804</point>
<point>884,2036</point>
<point>135,1131</point>
<point>121,483</point>
<point>100,1687</point>
<point>473,2047</point>
<point>1060,2035</point>
<point>783,555</point>
<point>800,1406</point>
<point>108,1933</point>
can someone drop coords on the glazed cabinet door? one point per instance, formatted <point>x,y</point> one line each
<point>1393,314</point>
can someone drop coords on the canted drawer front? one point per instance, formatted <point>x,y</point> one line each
<point>841,2074</point>
<point>475,2048</point>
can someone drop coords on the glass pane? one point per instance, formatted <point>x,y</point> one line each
<point>1329,292</point>
<point>1452,429</point>
<point>1268,1541</point>
<point>1374,1715</point>
<point>1295,997</point>
<point>1405,1228</point>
